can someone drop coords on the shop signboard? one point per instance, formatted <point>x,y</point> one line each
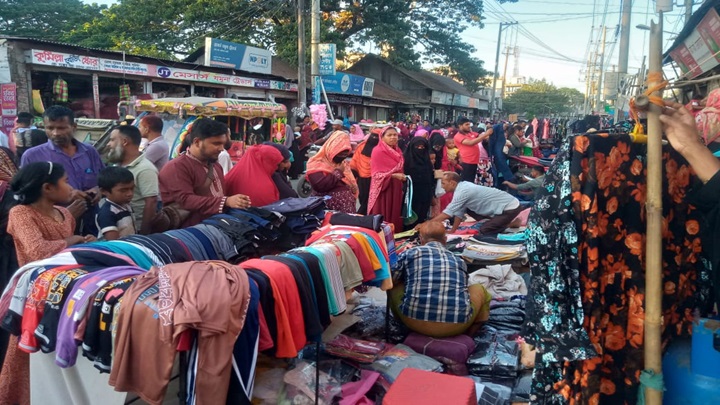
<point>8,99</point>
<point>237,56</point>
<point>345,83</point>
<point>8,107</point>
<point>166,72</point>
<point>49,58</point>
<point>124,67</point>
<point>66,60</point>
<point>440,97</point>
<point>327,59</point>
<point>700,51</point>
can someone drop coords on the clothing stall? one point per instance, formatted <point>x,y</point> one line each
<point>129,306</point>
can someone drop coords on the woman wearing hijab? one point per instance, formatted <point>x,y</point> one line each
<point>386,184</point>
<point>8,257</point>
<point>420,170</point>
<point>360,164</point>
<point>252,175</point>
<point>442,162</point>
<point>330,175</point>
<point>280,176</point>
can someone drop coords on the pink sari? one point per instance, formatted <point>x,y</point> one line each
<point>385,192</point>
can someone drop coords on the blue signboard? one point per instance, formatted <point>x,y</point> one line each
<point>345,83</point>
<point>327,59</point>
<point>237,56</point>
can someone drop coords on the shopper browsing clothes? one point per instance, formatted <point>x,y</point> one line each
<point>82,162</point>
<point>40,228</point>
<point>193,182</point>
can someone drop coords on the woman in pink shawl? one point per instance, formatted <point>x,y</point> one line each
<point>329,174</point>
<point>386,183</point>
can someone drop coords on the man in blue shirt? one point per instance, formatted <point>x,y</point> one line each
<point>81,162</point>
<point>432,296</point>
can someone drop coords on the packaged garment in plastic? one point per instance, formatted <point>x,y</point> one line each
<point>400,357</point>
<point>495,356</point>
<point>268,385</point>
<point>521,391</point>
<point>372,324</point>
<point>362,351</point>
<point>300,385</point>
<point>490,393</point>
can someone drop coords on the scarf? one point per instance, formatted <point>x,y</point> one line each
<point>417,161</point>
<point>8,167</point>
<point>252,175</point>
<point>385,162</point>
<point>437,139</point>
<point>339,141</point>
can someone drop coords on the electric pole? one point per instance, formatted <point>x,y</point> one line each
<point>504,80</point>
<point>599,89</point>
<point>624,50</point>
<point>688,10</point>
<point>302,73</point>
<point>493,104</point>
<point>315,43</point>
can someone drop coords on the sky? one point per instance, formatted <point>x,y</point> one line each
<point>563,26</point>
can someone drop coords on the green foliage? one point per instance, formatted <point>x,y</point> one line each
<point>409,33</point>
<point>540,98</point>
<point>47,19</point>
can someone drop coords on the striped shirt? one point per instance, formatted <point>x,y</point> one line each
<point>436,286</point>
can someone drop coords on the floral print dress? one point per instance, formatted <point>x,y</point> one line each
<point>585,310</point>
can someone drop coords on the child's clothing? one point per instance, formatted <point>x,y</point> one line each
<point>452,153</point>
<point>115,217</point>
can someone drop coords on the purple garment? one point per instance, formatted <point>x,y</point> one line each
<point>74,310</point>
<point>157,152</point>
<point>82,168</point>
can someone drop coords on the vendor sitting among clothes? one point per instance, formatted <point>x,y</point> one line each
<point>480,203</point>
<point>432,296</point>
<point>530,188</point>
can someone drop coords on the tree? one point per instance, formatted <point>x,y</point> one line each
<point>47,19</point>
<point>540,98</point>
<point>408,32</point>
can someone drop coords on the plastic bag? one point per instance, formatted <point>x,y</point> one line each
<point>490,393</point>
<point>300,385</point>
<point>521,392</point>
<point>268,385</point>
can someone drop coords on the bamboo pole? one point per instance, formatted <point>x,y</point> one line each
<point>653,208</point>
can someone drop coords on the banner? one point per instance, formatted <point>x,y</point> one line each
<point>237,56</point>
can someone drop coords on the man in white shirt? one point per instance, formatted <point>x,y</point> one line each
<point>479,202</point>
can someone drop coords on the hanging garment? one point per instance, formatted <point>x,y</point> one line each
<point>585,308</point>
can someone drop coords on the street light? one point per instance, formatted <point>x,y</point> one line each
<point>647,28</point>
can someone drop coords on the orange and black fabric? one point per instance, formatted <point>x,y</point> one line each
<point>585,308</point>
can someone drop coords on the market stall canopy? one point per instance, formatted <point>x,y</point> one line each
<point>208,107</point>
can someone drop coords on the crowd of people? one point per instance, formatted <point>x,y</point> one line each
<point>60,192</point>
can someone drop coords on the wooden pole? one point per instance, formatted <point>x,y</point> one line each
<point>653,207</point>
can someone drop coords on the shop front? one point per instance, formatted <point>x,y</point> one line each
<point>105,84</point>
